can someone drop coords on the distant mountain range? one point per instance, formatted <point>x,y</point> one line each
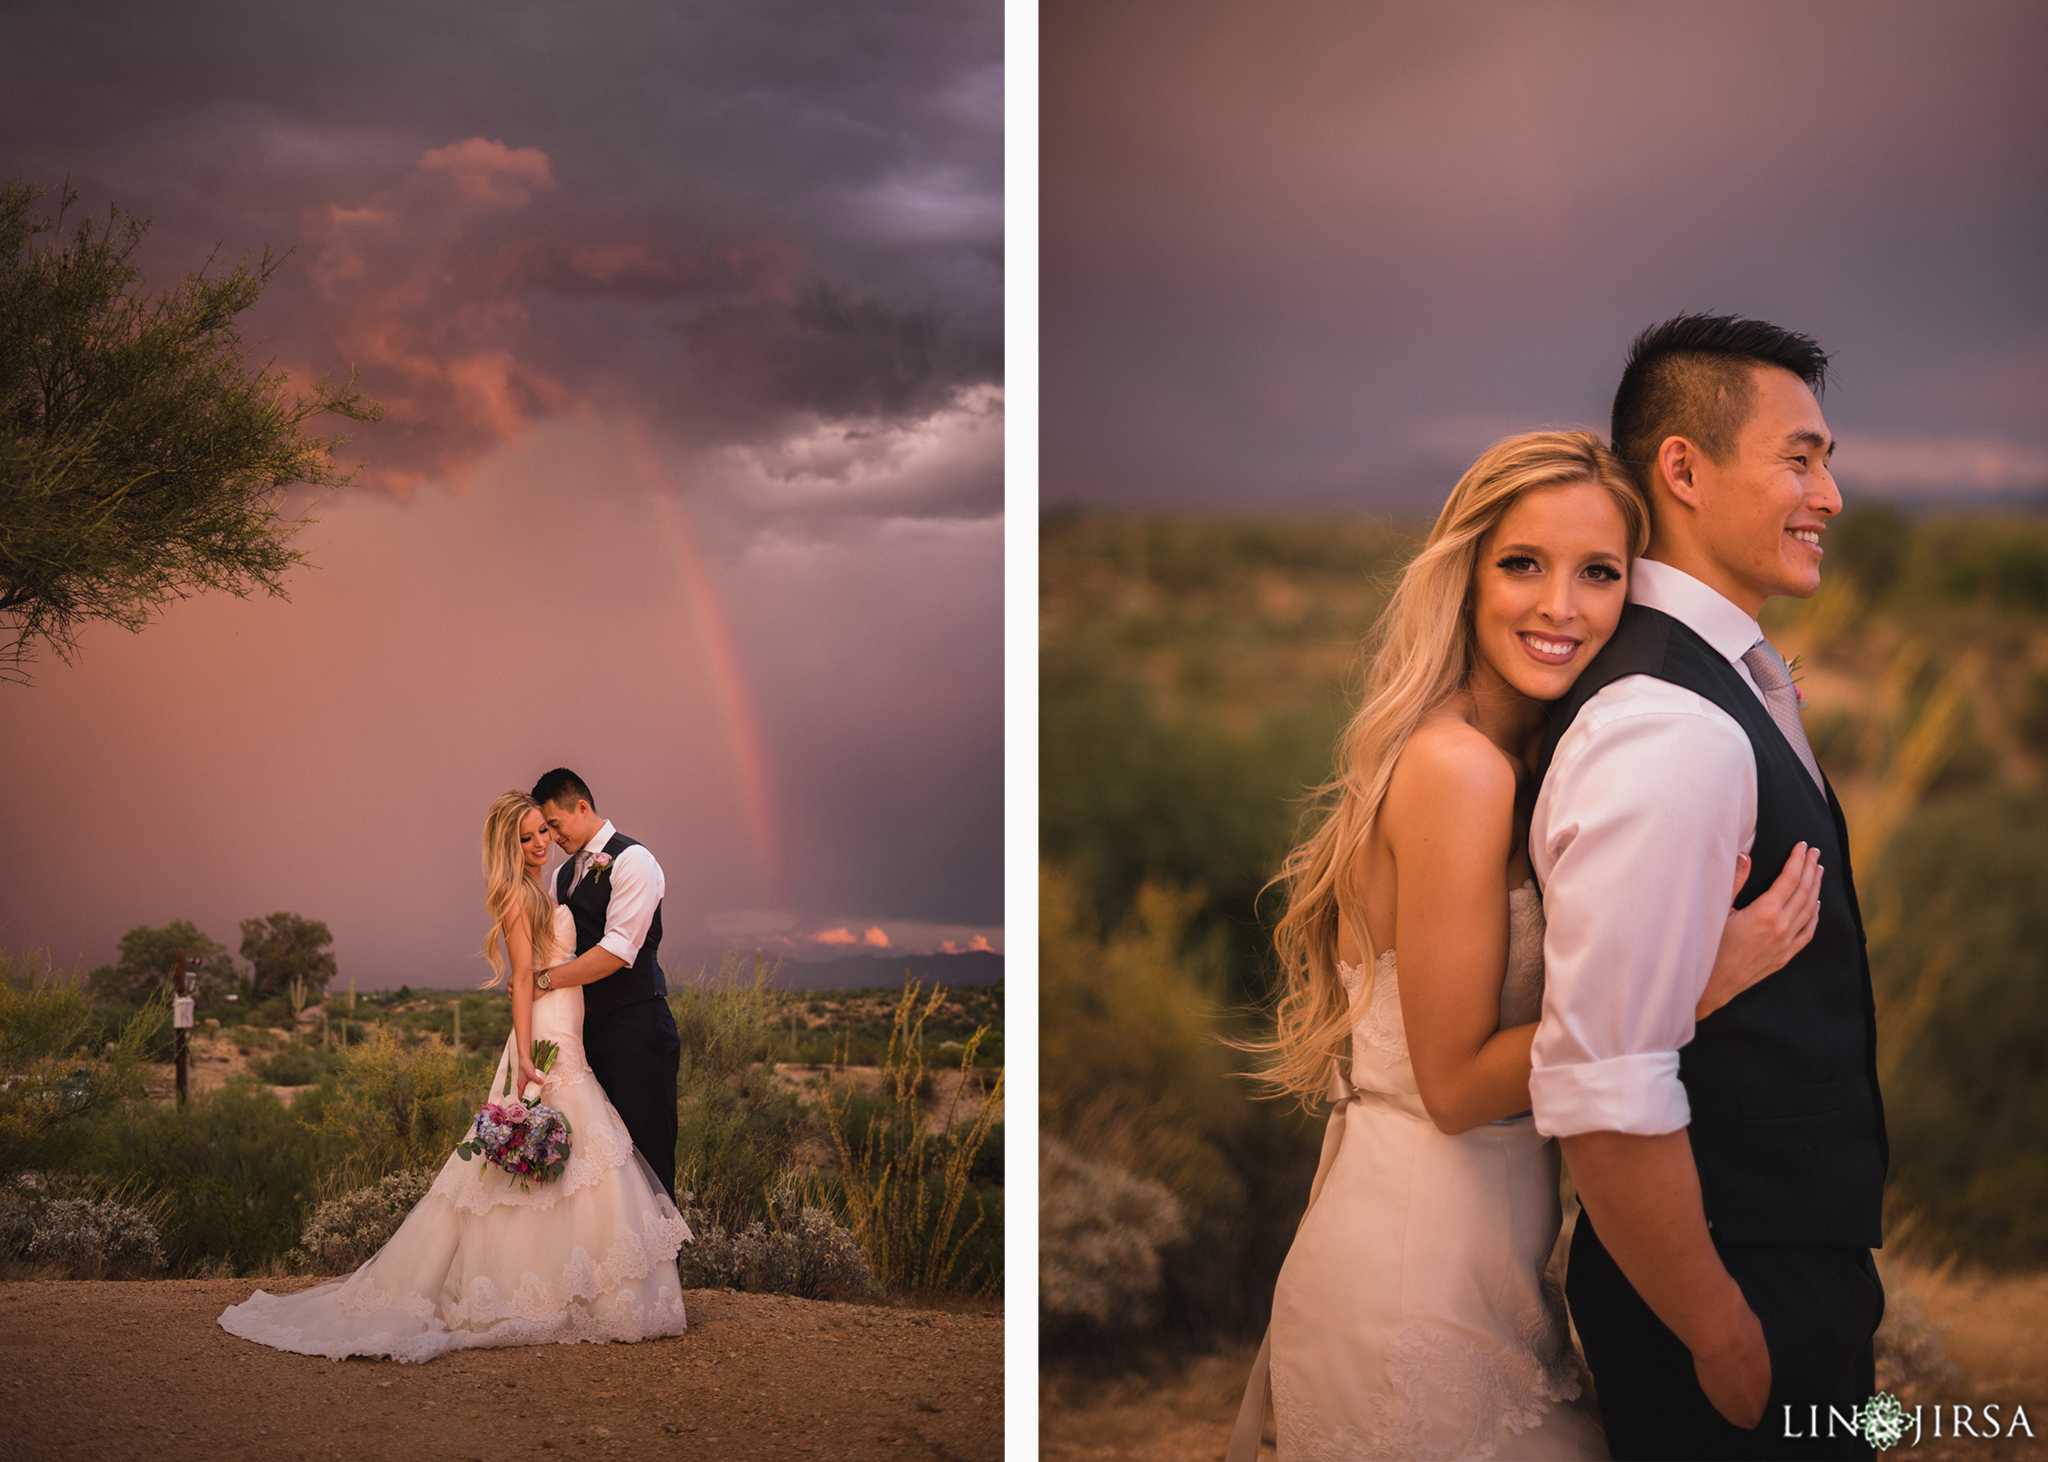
<point>853,971</point>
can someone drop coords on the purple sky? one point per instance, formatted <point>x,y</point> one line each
<point>1313,255</point>
<point>687,320</point>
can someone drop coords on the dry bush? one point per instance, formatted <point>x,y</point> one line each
<point>76,1238</point>
<point>345,1231</point>
<point>803,1251</point>
<point>1100,1233</point>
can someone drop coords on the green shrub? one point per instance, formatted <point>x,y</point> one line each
<point>986,1166</point>
<point>738,1130</point>
<point>2032,717</point>
<point>236,1167</point>
<point>904,1182</point>
<point>1963,1024</point>
<point>63,1080</point>
<point>396,1104</point>
<point>1870,542</point>
<point>296,1066</point>
<point>1137,1079</point>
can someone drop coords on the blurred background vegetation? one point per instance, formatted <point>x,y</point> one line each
<point>312,1128</point>
<point>1194,675</point>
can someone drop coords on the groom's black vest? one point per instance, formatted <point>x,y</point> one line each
<point>1787,1124</point>
<point>588,905</point>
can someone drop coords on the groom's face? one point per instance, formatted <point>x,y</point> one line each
<point>1765,510</point>
<point>572,826</point>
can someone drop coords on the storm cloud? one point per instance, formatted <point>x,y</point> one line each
<point>734,224</point>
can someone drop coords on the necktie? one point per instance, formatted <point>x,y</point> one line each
<point>1775,681</point>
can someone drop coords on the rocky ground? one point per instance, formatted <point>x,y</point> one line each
<point>141,1370</point>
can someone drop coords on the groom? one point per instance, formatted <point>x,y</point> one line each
<point>1731,1172</point>
<point>613,889</point>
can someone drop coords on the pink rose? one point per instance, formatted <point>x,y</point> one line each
<point>514,1111</point>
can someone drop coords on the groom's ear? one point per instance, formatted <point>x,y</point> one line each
<point>1677,461</point>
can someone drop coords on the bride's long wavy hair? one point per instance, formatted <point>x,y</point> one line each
<point>511,891</point>
<point>1420,654</point>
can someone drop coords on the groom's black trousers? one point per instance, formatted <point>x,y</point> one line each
<point>1819,1307</point>
<point>636,1053</point>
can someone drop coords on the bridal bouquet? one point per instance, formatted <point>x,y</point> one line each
<point>528,1140</point>
<point>531,1143</point>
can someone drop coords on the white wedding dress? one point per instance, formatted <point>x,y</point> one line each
<point>588,1256</point>
<point>1414,1317</point>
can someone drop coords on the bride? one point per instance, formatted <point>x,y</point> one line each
<point>1414,1317</point>
<point>590,1255</point>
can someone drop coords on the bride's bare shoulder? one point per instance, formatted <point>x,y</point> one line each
<point>1449,769</point>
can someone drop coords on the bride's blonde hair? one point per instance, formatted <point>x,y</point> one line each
<point>1421,654</point>
<point>511,891</point>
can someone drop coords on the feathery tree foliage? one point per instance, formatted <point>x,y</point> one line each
<point>142,456</point>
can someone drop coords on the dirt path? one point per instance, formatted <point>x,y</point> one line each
<point>141,1370</point>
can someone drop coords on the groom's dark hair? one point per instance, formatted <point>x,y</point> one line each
<point>1690,377</point>
<point>562,787</point>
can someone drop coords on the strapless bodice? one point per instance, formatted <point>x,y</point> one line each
<point>1379,1040</point>
<point>558,1014</point>
<point>565,937</point>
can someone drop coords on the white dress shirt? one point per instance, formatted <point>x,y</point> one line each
<point>1647,803</point>
<point>637,887</point>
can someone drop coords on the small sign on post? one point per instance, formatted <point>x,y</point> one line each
<point>181,1022</point>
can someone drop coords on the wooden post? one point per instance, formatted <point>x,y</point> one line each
<point>184,1060</point>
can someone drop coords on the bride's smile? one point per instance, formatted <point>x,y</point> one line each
<point>535,838</point>
<point>1548,590</point>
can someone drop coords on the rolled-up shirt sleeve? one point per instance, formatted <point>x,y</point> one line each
<point>637,887</point>
<point>1650,798</point>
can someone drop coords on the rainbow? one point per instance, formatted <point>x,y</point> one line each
<point>707,621</point>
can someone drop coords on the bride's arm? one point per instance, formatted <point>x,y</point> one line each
<point>1449,821</point>
<point>1762,936</point>
<point>519,949</point>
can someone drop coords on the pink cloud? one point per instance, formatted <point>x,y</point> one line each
<point>979,945</point>
<point>834,936</point>
<point>875,937</point>
<point>456,296</point>
<point>948,946</point>
<point>490,174</point>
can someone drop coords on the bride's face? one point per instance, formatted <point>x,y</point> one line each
<point>534,840</point>
<point>1549,587</point>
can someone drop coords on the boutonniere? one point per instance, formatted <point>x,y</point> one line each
<point>599,862</point>
<point>1793,669</point>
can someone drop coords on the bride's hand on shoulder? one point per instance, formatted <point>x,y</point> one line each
<point>1759,940</point>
